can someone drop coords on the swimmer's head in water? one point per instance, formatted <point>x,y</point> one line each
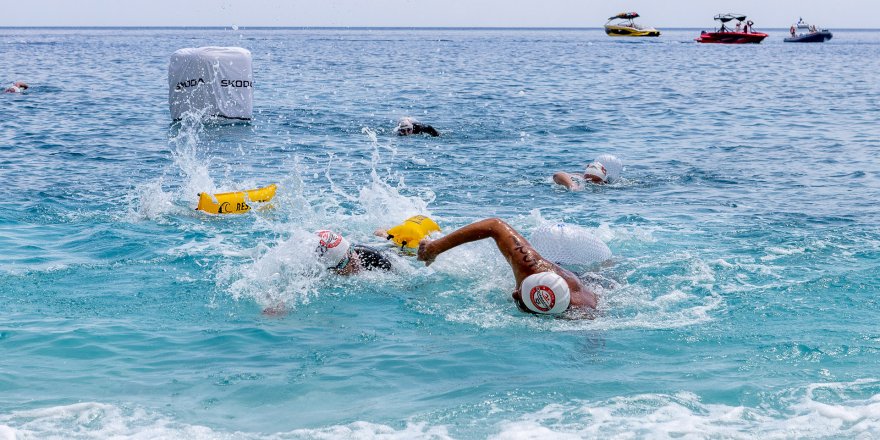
<point>405,126</point>
<point>21,85</point>
<point>333,250</point>
<point>596,173</point>
<point>545,293</point>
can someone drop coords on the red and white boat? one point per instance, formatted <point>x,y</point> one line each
<point>743,33</point>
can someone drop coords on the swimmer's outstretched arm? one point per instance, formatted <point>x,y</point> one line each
<point>431,130</point>
<point>564,179</point>
<point>523,259</point>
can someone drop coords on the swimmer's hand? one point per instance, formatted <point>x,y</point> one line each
<point>380,233</point>
<point>276,311</point>
<point>564,179</point>
<point>425,254</point>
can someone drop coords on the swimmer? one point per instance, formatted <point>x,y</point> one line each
<point>605,169</point>
<point>17,87</point>
<point>344,258</point>
<point>407,126</point>
<point>341,257</point>
<point>541,286</point>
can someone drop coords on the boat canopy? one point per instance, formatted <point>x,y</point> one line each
<point>724,18</point>
<point>625,15</point>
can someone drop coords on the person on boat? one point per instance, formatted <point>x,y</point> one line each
<point>738,26</point>
<point>17,87</point>
<point>596,172</point>
<point>408,126</point>
<point>793,31</point>
<point>542,287</point>
<point>748,27</point>
<point>344,258</point>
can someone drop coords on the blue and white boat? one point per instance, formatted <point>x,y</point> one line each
<point>810,33</point>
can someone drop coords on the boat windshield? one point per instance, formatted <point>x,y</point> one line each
<point>724,18</point>
<point>801,24</point>
<point>626,15</point>
<point>626,23</point>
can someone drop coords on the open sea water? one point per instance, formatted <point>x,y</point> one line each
<point>741,301</point>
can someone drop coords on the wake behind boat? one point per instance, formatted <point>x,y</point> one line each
<point>626,27</point>
<point>810,35</point>
<point>741,34</point>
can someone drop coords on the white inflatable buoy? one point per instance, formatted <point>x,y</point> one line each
<point>569,245</point>
<point>613,166</point>
<point>217,82</point>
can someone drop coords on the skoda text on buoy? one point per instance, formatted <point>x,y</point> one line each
<point>214,82</point>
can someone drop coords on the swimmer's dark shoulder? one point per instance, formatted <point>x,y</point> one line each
<point>371,258</point>
<point>423,128</point>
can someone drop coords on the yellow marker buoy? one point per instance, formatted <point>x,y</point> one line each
<point>235,202</point>
<point>412,231</point>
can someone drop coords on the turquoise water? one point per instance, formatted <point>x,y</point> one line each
<point>740,302</point>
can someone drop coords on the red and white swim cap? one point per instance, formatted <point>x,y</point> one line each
<point>596,170</point>
<point>332,248</point>
<point>545,293</point>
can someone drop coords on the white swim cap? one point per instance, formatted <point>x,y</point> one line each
<point>545,293</point>
<point>597,170</point>
<point>405,123</point>
<point>332,249</point>
<point>613,166</point>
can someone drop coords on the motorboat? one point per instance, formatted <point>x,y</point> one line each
<point>809,33</point>
<point>624,26</point>
<point>742,33</point>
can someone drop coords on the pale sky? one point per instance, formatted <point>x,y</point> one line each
<point>834,14</point>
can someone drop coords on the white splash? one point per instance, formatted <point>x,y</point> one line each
<point>820,410</point>
<point>684,415</point>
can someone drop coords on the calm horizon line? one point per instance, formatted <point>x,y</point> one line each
<point>241,28</point>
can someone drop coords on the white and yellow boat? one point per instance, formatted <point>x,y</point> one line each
<point>626,27</point>
<point>235,202</point>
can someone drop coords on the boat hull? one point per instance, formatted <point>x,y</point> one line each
<point>815,37</point>
<point>731,37</point>
<point>626,31</point>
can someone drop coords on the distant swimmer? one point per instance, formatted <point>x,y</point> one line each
<point>407,126</point>
<point>17,87</point>
<point>605,169</point>
<point>541,286</point>
<point>344,258</point>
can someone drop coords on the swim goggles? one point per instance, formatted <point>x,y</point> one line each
<point>343,263</point>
